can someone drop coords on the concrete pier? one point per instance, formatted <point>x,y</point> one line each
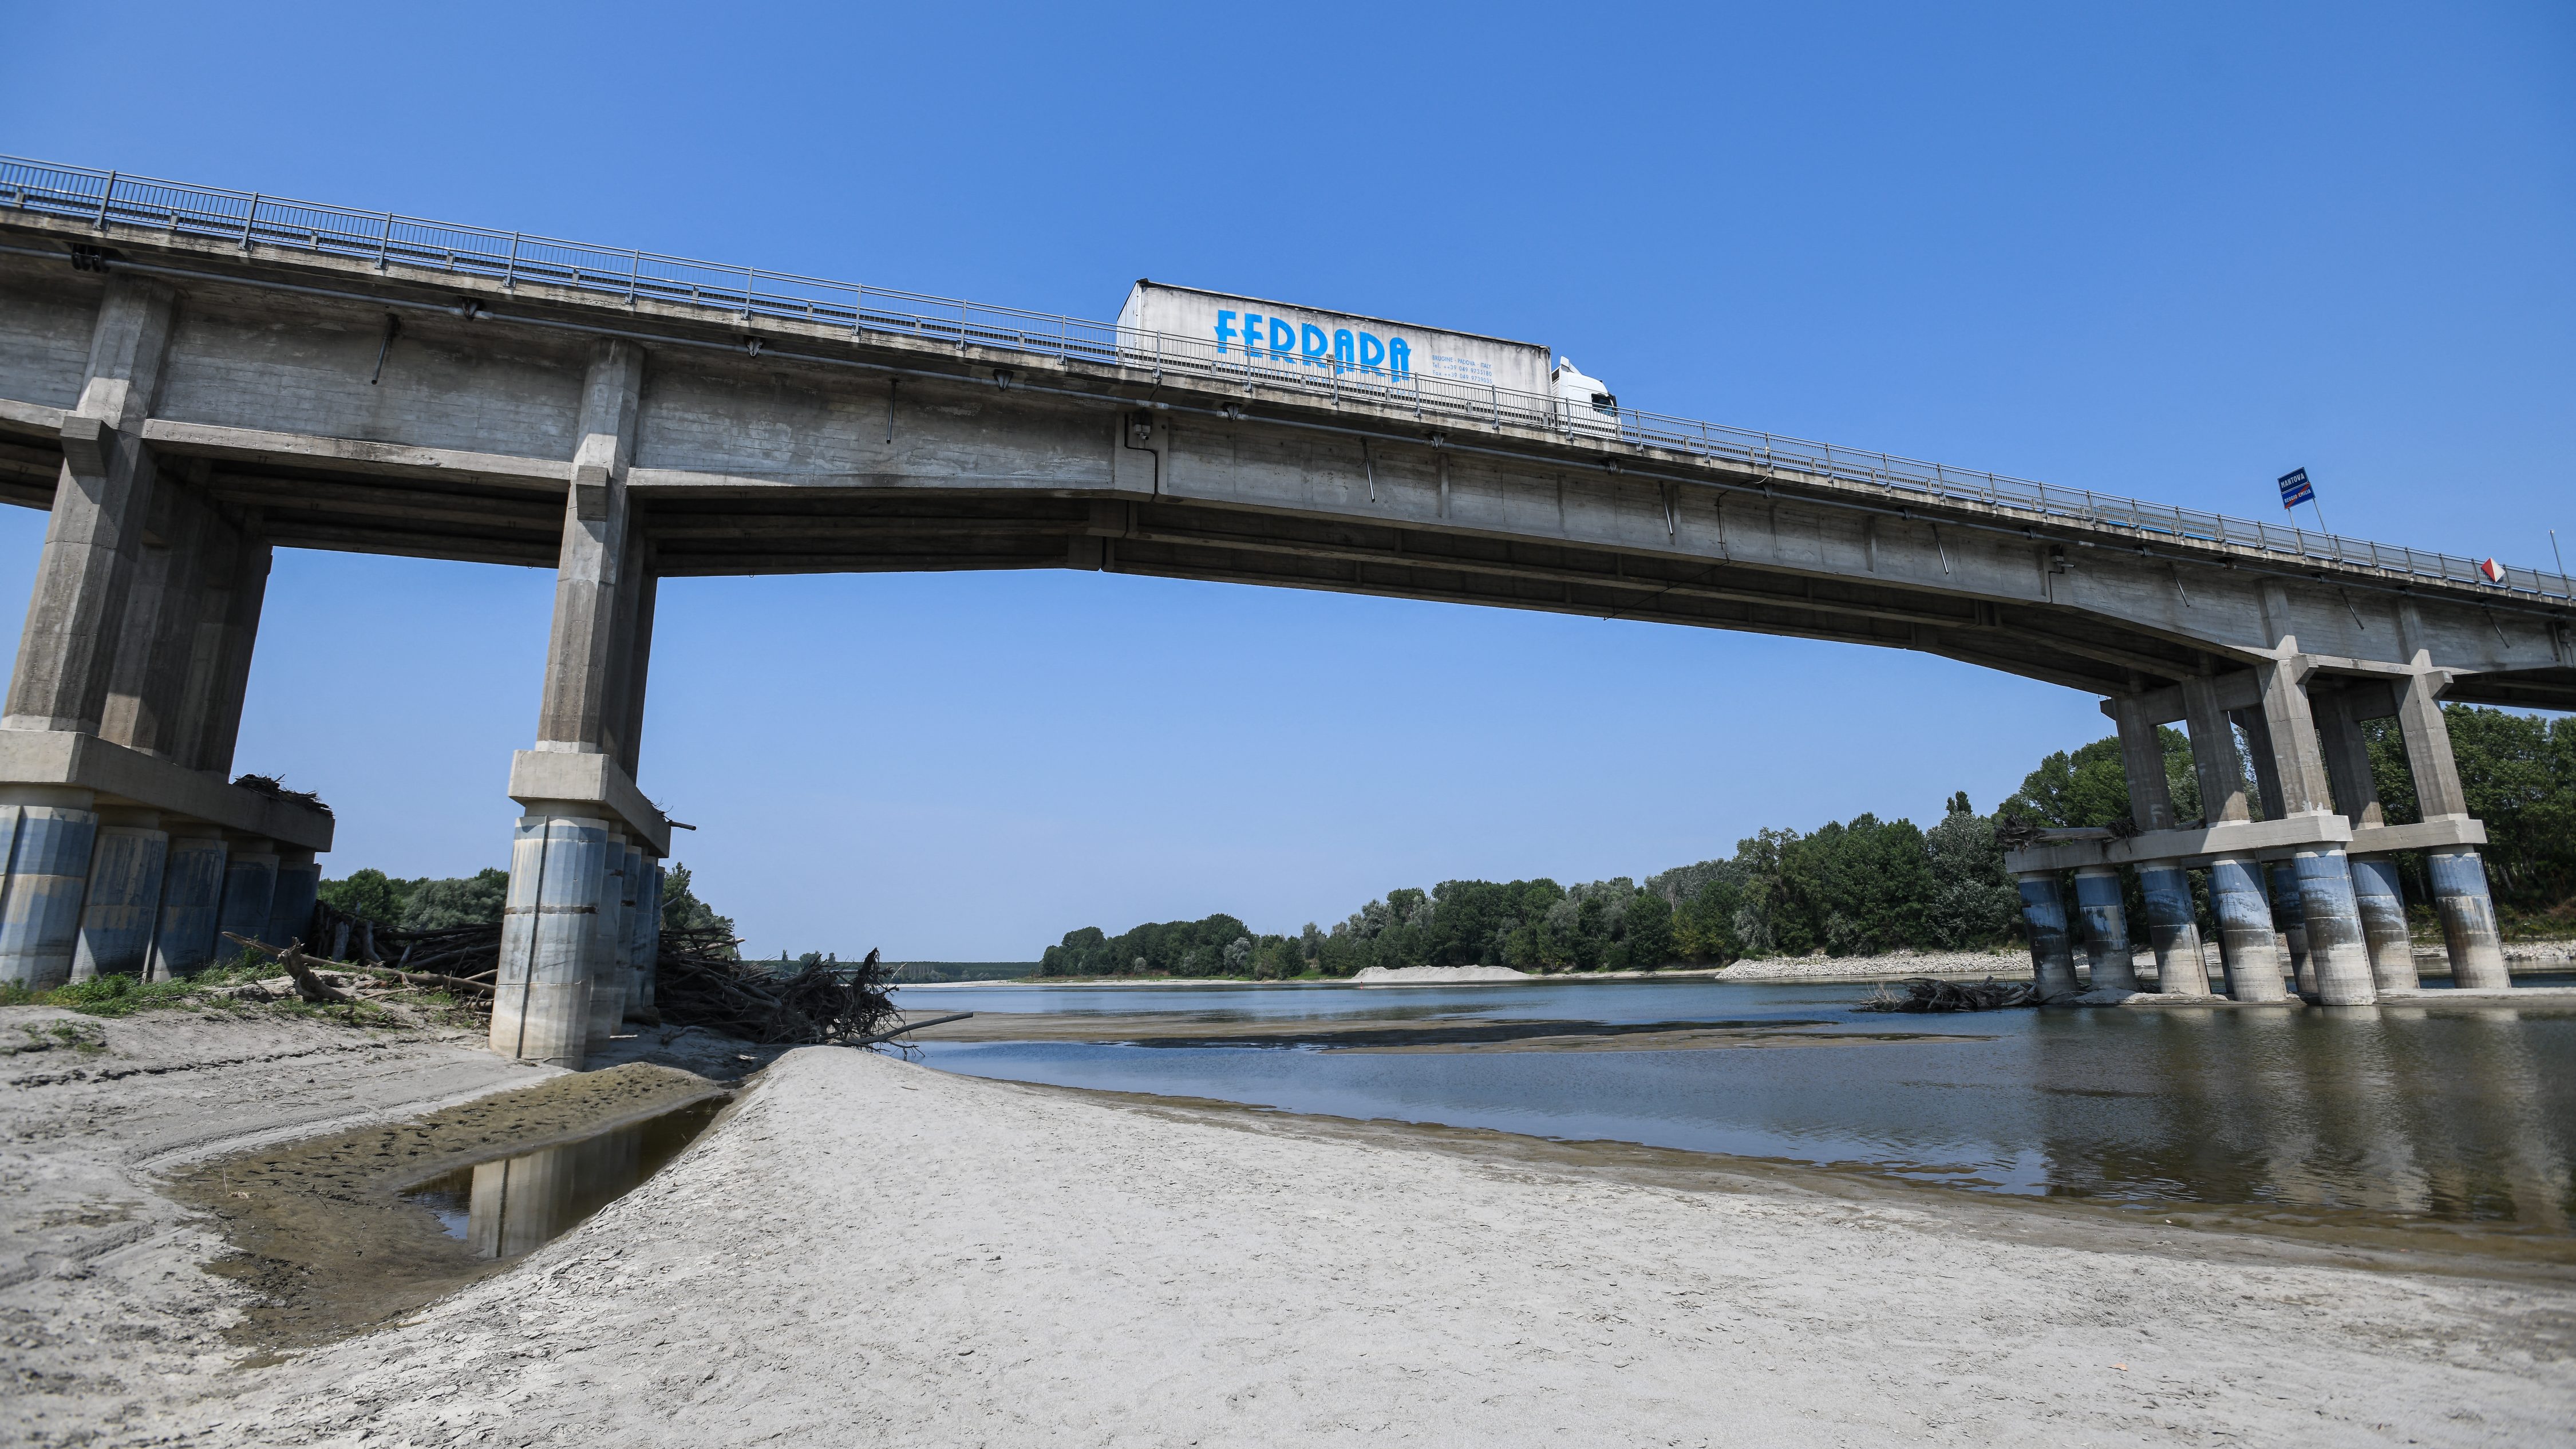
<point>2375,889</point>
<point>2181,969</point>
<point>40,906</point>
<point>124,901</point>
<point>2468,920</point>
<point>2338,955</point>
<point>192,897</point>
<point>2247,944</point>
<point>2106,929</point>
<point>2289,918</point>
<point>541,1007</point>
<point>299,885</point>
<point>250,890</point>
<point>609,963</point>
<point>2052,952</point>
<point>644,930</point>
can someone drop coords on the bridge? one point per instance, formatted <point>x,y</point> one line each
<point>191,378</point>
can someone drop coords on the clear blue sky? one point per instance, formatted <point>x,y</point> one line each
<point>2170,251</point>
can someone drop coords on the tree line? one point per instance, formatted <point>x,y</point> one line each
<point>1862,886</point>
<point>428,903</point>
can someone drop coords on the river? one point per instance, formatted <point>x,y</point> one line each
<point>2427,1114</point>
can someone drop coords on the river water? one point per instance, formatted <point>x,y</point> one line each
<point>2458,1114</point>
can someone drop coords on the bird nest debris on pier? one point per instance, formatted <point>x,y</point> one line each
<point>1923,994</point>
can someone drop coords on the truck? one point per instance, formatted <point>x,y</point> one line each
<point>1260,335</point>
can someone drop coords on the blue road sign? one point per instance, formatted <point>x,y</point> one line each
<point>2295,489</point>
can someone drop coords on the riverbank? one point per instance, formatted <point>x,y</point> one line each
<point>123,1306</point>
<point>870,1250</point>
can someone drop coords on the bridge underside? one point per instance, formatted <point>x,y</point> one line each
<point>698,532</point>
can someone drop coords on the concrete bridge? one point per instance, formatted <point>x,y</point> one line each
<point>190,379</point>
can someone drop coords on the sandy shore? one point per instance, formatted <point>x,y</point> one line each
<point>869,1251</point>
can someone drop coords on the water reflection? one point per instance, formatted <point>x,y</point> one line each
<point>506,1208</point>
<point>2461,1114</point>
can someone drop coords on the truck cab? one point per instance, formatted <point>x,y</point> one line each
<point>1584,405</point>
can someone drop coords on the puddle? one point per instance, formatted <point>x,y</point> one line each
<point>326,1231</point>
<point>506,1208</point>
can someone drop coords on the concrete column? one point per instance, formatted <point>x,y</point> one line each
<point>2267,774</point>
<point>2347,760</point>
<point>637,914</point>
<point>2106,928</point>
<point>147,699</point>
<point>290,913</point>
<point>95,532</point>
<point>2298,763</point>
<point>585,652</point>
<point>2468,919</point>
<point>192,895</point>
<point>2142,757</point>
<point>2213,754</point>
<point>2171,927</point>
<point>648,954</point>
<point>541,1007</point>
<point>561,935</point>
<point>2383,922</point>
<point>622,728</point>
<point>2246,942</point>
<point>2289,916</point>
<point>228,637</point>
<point>2460,890</point>
<point>2052,956</point>
<point>609,965</point>
<point>2338,954</point>
<point>50,833</point>
<point>250,890</point>
<point>124,901</point>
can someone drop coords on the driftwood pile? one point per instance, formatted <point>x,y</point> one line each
<point>698,980</point>
<point>702,984</point>
<point>1924,994</point>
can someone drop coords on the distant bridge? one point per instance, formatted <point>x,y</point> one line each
<point>190,378</point>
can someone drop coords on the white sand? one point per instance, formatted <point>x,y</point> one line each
<point>873,1252</point>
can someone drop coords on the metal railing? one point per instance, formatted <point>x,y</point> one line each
<point>110,202</point>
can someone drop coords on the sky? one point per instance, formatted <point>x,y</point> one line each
<point>2166,251</point>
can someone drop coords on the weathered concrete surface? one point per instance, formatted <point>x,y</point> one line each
<point>778,446</point>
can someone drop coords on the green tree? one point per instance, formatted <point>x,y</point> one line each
<point>474,900</point>
<point>683,911</point>
<point>1646,933</point>
<point>369,894</point>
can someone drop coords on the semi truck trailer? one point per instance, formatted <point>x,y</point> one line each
<point>1370,352</point>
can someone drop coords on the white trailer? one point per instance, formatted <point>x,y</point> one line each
<point>1280,337</point>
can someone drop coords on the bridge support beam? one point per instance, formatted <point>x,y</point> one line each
<point>125,700</point>
<point>2247,945</point>
<point>2171,928</point>
<point>2460,891</point>
<point>2106,929</point>
<point>2052,951</point>
<point>567,969</point>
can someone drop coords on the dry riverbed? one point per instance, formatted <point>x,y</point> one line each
<point>865,1250</point>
